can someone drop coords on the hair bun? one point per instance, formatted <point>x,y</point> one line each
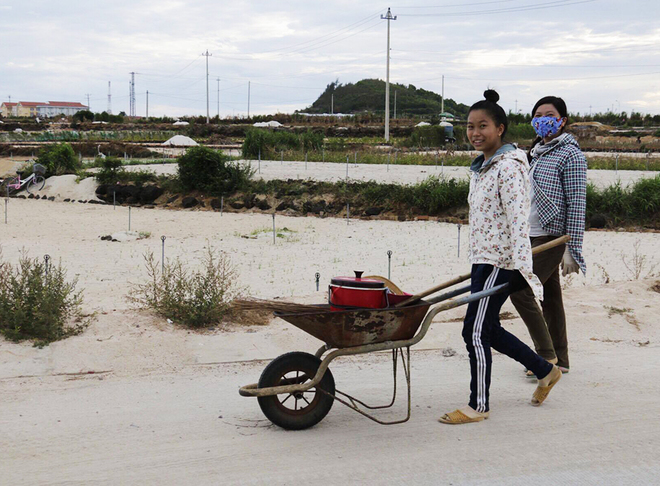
<point>491,95</point>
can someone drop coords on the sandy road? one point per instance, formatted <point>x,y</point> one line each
<point>191,427</point>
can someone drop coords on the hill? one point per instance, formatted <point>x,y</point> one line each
<point>368,96</point>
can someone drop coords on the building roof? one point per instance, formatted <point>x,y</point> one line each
<point>30,103</point>
<point>67,104</point>
<point>9,104</point>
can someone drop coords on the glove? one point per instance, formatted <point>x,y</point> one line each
<point>568,263</point>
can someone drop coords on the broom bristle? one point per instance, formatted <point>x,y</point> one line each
<point>273,306</point>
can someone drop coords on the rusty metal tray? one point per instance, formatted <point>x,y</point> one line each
<point>358,327</point>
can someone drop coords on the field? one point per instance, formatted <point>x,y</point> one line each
<point>162,401</point>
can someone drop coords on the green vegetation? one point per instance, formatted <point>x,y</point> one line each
<point>266,143</point>
<point>192,298</point>
<point>203,169</point>
<point>368,95</point>
<point>37,303</point>
<point>59,159</point>
<point>638,203</point>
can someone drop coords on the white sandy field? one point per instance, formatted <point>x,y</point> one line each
<point>137,400</point>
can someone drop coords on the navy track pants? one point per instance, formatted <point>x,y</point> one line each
<point>482,330</point>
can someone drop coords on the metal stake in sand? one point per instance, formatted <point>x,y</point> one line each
<point>114,199</point>
<point>222,204</point>
<point>348,212</point>
<point>318,278</point>
<point>355,157</point>
<point>347,167</point>
<point>459,240</point>
<point>6,210</point>
<point>389,264</point>
<point>129,218</point>
<point>162,259</point>
<point>273,228</point>
<point>46,263</point>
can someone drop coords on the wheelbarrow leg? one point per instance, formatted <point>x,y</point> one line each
<point>405,361</point>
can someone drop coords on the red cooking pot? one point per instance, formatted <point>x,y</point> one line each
<point>355,292</point>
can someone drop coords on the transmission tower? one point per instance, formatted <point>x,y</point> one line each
<point>109,100</point>
<point>132,95</point>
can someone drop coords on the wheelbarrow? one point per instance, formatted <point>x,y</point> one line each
<point>297,390</point>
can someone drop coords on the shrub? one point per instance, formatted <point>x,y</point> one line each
<point>111,169</point>
<point>37,302</point>
<point>195,299</point>
<point>203,169</point>
<point>59,159</point>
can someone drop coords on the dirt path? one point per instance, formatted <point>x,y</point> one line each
<point>191,427</point>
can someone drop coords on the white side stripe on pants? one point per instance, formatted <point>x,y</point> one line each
<point>476,342</point>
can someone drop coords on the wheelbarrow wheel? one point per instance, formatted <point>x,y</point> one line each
<point>296,411</point>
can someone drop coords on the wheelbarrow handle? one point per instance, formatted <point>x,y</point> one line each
<point>537,249</point>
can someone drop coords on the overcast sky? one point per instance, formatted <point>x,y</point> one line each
<point>598,55</point>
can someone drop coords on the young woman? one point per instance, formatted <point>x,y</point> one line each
<point>559,187</point>
<point>500,252</point>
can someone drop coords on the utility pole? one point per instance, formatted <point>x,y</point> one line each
<point>442,102</point>
<point>395,104</point>
<point>132,95</point>
<point>207,84</point>
<point>147,104</point>
<point>332,103</point>
<point>109,100</point>
<point>88,95</point>
<point>387,17</point>
<point>248,99</point>
<point>218,100</point>
<point>516,112</point>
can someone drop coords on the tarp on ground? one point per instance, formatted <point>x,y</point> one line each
<point>180,141</point>
<point>268,124</point>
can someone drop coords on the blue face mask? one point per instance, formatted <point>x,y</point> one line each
<point>545,126</point>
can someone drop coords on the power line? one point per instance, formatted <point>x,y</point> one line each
<point>546,5</point>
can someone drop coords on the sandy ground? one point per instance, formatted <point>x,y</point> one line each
<point>135,399</point>
<point>400,174</point>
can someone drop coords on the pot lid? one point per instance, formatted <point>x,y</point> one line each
<point>362,283</point>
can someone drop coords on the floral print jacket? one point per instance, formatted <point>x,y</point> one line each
<point>499,214</point>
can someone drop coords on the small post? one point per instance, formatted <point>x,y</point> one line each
<point>162,260</point>
<point>6,210</point>
<point>459,240</point>
<point>129,218</point>
<point>436,160</point>
<point>389,263</point>
<point>46,263</point>
<point>222,204</point>
<point>347,167</point>
<point>318,278</point>
<point>305,160</point>
<point>273,228</point>
<point>114,199</point>
<point>348,212</point>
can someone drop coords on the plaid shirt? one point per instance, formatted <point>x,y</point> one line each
<point>559,182</point>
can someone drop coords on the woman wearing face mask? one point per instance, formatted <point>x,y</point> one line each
<point>559,184</point>
<point>500,252</point>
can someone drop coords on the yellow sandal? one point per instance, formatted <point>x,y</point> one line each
<point>542,391</point>
<point>465,415</point>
